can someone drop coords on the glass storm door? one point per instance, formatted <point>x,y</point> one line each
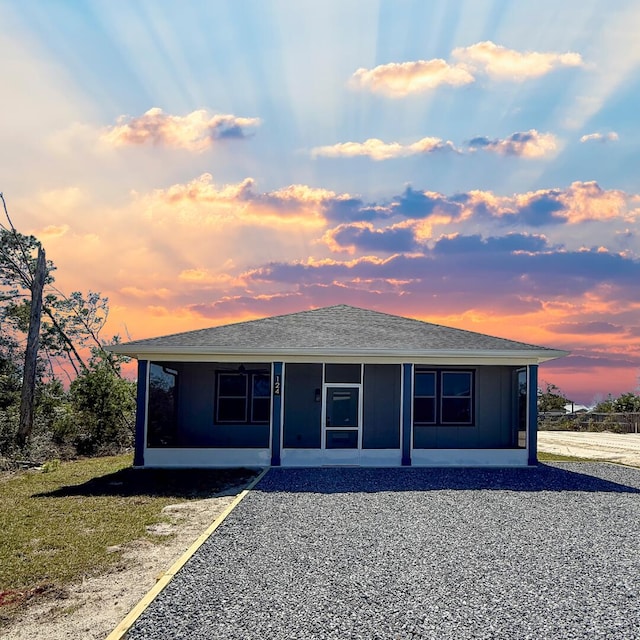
<point>342,417</point>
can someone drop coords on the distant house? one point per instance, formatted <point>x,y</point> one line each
<point>573,407</point>
<point>335,386</point>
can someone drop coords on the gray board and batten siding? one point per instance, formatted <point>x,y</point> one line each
<point>302,408</point>
<point>303,404</point>
<point>491,426</point>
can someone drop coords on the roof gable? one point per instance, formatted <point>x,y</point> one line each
<point>340,327</point>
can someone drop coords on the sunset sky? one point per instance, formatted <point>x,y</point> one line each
<point>473,164</point>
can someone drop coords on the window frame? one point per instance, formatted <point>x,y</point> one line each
<point>248,397</point>
<point>439,397</point>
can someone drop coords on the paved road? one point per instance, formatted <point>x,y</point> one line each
<point>613,447</point>
<point>397,554</point>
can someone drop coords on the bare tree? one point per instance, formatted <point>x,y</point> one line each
<point>60,328</point>
<point>31,277</point>
<point>31,353</point>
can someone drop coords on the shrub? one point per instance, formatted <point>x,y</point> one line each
<point>103,406</point>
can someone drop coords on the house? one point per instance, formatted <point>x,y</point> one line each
<point>574,407</point>
<point>338,385</point>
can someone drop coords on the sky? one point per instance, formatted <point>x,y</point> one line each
<point>470,163</point>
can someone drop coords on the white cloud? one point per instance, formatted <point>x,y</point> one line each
<point>526,144</point>
<point>501,63</point>
<point>196,131</point>
<point>399,79</point>
<point>612,136</point>
<point>378,150</point>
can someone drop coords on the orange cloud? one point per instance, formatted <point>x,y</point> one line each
<point>378,150</point>
<point>500,63</point>
<point>588,201</point>
<point>195,132</point>
<point>399,79</point>
<point>201,201</point>
<point>52,231</point>
<point>146,293</point>
<point>580,202</point>
<point>300,193</point>
<point>204,190</point>
<point>201,276</point>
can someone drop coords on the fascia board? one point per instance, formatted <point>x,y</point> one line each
<point>457,356</point>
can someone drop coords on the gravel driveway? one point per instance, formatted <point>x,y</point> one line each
<point>551,552</point>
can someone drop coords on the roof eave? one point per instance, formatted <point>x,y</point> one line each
<point>146,351</point>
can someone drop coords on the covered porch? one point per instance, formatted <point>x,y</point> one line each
<point>230,413</point>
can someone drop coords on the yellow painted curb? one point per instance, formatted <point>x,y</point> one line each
<point>168,575</point>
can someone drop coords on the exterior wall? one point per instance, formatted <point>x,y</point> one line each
<point>205,458</point>
<point>195,405</point>
<point>469,458</point>
<point>302,406</point>
<point>381,414</point>
<point>195,417</point>
<point>388,436</point>
<point>494,426</point>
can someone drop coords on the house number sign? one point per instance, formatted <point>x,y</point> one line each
<point>276,385</point>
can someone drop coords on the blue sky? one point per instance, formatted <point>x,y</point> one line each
<point>467,163</point>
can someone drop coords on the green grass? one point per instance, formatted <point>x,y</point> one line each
<point>56,526</point>
<point>557,457</point>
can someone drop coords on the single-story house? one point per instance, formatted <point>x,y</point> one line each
<point>338,385</point>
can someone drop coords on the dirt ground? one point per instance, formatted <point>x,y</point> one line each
<point>91,610</point>
<point>612,447</point>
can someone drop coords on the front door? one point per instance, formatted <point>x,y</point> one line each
<point>342,417</point>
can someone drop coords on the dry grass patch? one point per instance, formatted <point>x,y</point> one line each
<point>73,520</point>
<point>543,456</point>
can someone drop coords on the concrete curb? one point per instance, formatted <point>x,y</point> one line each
<point>120,631</point>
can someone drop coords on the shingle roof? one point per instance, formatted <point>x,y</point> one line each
<point>331,329</point>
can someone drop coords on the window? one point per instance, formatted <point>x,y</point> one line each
<point>456,397</point>
<point>443,397</point>
<point>243,397</point>
<point>424,397</point>
<point>232,397</point>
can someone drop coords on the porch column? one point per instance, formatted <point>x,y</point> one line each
<point>407,400</point>
<point>276,413</point>
<point>141,412</point>
<point>532,413</point>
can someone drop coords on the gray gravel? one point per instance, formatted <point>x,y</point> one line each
<point>551,552</point>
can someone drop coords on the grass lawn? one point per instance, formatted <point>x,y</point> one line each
<point>58,526</point>
<point>557,457</point>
